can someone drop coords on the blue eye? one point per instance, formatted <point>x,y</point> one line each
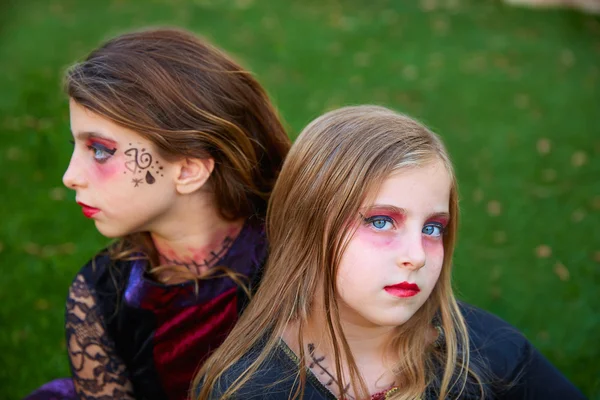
<point>101,153</point>
<point>380,222</point>
<point>433,229</point>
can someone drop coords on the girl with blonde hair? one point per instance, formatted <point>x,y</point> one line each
<point>356,300</point>
<point>175,151</point>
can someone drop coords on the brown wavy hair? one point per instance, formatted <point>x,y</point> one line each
<point>335,167</point>
<point>190,100</point>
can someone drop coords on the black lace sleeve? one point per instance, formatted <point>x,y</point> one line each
<point>98,372</point>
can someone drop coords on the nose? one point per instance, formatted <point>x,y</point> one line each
<point>73,177</point>
<point>411,253</point>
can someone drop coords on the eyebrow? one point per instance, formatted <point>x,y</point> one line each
<point>397,210</point>
<point>92,135</point>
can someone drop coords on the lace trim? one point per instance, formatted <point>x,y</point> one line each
<point>98,372</point>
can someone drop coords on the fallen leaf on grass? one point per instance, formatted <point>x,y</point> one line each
<point>496,292</point>
<point>543,251</point>
<point>567,58</point>
<point>578,159</point>
<point>494,208</point>
<point>499,237</point>
<point>47,251</point>
<point>543,335</point>
<point>561,271</point>
<point>13,153</point>
<point>596,203</point>
<point>58,194</point>
<point>548,175</point>
<point>578,215</point>
<point>496,273</point>
<point>522,101</point>
<point>543,146</point>
<point>41,304</point>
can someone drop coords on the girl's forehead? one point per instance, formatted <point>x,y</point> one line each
<point>87,123</point>
<point>420,186</point>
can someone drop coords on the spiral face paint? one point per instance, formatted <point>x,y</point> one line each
<point>142,166</point>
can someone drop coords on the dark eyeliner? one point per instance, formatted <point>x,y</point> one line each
<point>370,220</point>
<point>101,147</point>
<point>441,227</point>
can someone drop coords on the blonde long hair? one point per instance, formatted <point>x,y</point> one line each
<point>335,164</point>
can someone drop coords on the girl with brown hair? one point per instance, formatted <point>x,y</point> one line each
<point>356,300</point>
<point>176,151</point>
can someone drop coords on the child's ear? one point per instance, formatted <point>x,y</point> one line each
<point>193,174</point>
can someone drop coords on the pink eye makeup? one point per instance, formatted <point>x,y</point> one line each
<point>101,149</point>
<point>382,219</point>
<point>433,229</point>
<point>386,218</point>
<point>379,222</point>
<point>436,227</point>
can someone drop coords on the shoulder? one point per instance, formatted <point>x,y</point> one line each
<point>102,272</point>
<point>495,342</point>
<point>485,328</point>
<point>100,282</point>
<point>274,379</point>
<point>505,358</point>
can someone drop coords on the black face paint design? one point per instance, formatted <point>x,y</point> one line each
<point>149,178</point>
<point>322,370</point>
<point>140,160</point>
<point>137,182</point>
<point>198,267</point>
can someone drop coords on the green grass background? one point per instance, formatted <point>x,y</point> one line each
<point>513,92</point>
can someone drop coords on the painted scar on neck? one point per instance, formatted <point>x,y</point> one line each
<point>200,267</point>
<point>316,363</point>
<point>142,166</point>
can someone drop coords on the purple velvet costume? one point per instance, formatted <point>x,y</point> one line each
<point>162,333</point>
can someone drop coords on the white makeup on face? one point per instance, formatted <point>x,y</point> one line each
<point>395,257</point>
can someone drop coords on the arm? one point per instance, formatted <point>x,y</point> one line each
<point>538,379</point>
<point>97,370</point>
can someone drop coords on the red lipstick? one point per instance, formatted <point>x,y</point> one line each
<point>87,210</point>
<point>403,289</point>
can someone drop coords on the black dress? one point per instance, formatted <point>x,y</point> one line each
<point>517,369</point>
<point>153,336</point>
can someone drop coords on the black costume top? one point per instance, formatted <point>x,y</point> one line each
<point>517,369</point>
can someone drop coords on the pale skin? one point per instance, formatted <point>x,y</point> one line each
<point>177,209</point>
<point>125,186</point>
<point>399,240</point>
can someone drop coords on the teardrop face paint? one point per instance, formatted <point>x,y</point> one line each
<point>393,261</point>
<point>121,182</point>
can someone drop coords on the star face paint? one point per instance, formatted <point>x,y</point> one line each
<point>118,176</point>
<point>394,258</point>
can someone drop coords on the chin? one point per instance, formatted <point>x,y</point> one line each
<point>110,232</point>
<point>400,317</point>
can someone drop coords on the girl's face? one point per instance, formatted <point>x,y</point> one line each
<point>394,259</point>
<point>119,179</point>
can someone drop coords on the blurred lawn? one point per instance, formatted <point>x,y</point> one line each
<point>513,92</point>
